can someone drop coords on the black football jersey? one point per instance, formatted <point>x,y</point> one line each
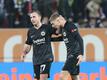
<point>72,39</point>
<point>41,41</point>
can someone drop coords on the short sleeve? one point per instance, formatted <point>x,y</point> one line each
<point>51,29</point>
<point>71,27</point>
<point>28,40</point>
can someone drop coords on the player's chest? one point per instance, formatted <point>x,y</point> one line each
<point>35,34</point>
<point>67,36</point>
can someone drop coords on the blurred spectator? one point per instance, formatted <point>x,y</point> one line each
<point>78,10</point>
<point>10,12</point>
<point>95,13</point>
<point>73,10</point>
<point>26,9</point>
<point>46,8</point>
<point>18,13</point>
<point>1,13</point>
<point>88,13</point>
<point>65,8</point>
<point>104,7</point>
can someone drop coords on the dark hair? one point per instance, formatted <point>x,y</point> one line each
<point>36,11</point>
<point>54,16</point>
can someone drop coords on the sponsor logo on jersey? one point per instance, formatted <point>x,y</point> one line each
<point>39,41</point>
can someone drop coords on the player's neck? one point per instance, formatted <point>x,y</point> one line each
<point>38,25</point>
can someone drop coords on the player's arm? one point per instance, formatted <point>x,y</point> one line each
<point>55,34</point>
<point>25,51</point>
<point>74,31</point>
<point>80,41</point>
<point>72,28</point>
<point>27,46</point>
<point>78,37</point>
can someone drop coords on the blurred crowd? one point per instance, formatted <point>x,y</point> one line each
<point>86,13</point>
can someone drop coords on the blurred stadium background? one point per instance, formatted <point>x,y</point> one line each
<point>89,15</point>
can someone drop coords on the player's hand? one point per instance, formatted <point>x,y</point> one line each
<point>23,57</point>
<point>80,58</point>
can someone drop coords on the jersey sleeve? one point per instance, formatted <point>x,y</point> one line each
<point>54,34</point>
<point>28,40</point>
<point>51,29</point>
<point>80,40</point>
<point>72,28</point>
<point>58,38</point>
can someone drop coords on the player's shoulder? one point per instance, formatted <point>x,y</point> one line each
<point>70,25</point>
<point>73,25</point>
<point>30,30</point>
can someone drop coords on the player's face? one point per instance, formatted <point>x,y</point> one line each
<point>35,18</point>
<point>56,23</point>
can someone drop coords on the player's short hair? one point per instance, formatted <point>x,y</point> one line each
<point>36,11</point>
<point>54,16</point>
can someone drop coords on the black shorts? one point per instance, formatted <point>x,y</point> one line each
<point>70,65</point>
<point>42,69</point>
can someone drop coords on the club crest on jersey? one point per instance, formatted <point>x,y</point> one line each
<point>43,33</point>
<point>64,33</point>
